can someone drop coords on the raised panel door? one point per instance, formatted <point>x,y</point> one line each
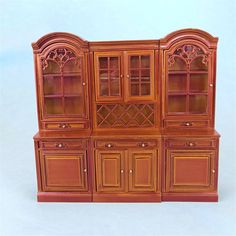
<point>142,170</point>
<point>110,171</point>
<point>190,171</point>
<point>64,171</point>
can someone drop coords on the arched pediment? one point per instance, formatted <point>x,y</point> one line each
<point>57,38</point>
<point>188,34</point>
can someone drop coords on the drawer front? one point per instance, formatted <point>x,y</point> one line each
<point>191,143</point>
<point>61,144</point>
<point>65,125</point>
<point>125,143</point>
<point>186,124</point>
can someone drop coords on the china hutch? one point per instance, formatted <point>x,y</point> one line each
<point>126,121</point>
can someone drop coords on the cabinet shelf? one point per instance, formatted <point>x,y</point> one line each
<point>72,95</point>
<point>187,72</point>
<point>65,75</point>
<point>190,93</point>
<point>54,96</point>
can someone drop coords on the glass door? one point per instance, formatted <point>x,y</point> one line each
<point>140,75</point>
<point>187,81</point>
<point>108,76</point>
<point>63,90</point>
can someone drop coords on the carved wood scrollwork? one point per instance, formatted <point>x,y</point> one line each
<point>188,53</point>
<point>60,56</point>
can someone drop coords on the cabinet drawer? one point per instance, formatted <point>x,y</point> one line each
<point>125,143</point>
<point>186,124</point>
<point>64,125</point>
<point>191,143</point>
<point>60,144</point>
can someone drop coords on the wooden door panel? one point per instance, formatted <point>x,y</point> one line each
<point>189,171</point>
<point>142,170</point>
<point>110,171</point>
<point>64,172</point>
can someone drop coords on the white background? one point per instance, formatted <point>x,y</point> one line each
<point>22,22</point>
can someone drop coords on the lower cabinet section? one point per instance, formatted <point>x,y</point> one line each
<point>64,171</point>
<point>127,170</point>
<point>190,170</point>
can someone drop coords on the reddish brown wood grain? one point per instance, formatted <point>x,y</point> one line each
<point>126,121</point>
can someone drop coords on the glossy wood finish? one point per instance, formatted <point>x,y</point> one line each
<point>126,121</point>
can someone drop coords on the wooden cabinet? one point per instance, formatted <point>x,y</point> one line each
<point>126,121</point>
<point>121,168</point>
<point>62,83</point>
<point>124,76</point>
<point>189,81</point>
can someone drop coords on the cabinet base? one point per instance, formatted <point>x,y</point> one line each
<point>190,197</point>
<point>106,197</point>
<point>63,197</point>
<point>109,197</point>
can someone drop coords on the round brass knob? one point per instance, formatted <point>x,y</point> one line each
<point>191,144</point>
<point>109,145</point>
<point>213,171</point>
<point>60,145</point>
<point>83,83</point>
<point>211,85</point>
<point>85,170</point>
<point>63,126</point>
<point>121,171</point>
<point>130,171</point>
<point>143,145</point>
<point>187,123</point>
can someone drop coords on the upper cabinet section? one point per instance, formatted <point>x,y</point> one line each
<point>124,75</point>
<point>189,76</point>
<point>62,80</point>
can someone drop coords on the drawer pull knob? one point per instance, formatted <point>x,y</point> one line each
<point>109,145</point>
<point>63,126</point>
<point>60,145</point>
<point>121,171</point>
<point>127,76</point>
<point>143,145</point>
<point>85,170</point>
<point>191,144</point>
<point>130,171</point>
<point>211,85</point>
<point>213,171</point>
<point>83,83</point>
<point>188,124</point>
